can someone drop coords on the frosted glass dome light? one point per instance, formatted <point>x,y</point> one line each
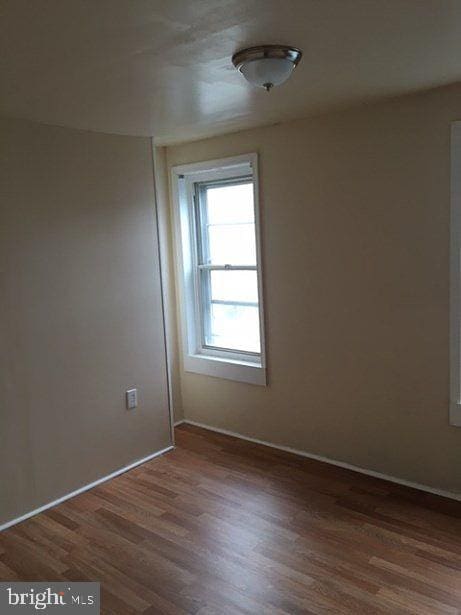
<point>267,65</point>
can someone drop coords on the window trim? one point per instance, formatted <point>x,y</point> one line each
<point>455,275</point>
<point>232,365</point>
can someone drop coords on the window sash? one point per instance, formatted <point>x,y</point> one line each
<point>201,218</point>
<point>204,311</point>
<point>204,267</point>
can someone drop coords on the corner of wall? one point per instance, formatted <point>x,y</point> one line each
<point>168,279</point>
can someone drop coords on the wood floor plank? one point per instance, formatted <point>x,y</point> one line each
<point>222,526</point>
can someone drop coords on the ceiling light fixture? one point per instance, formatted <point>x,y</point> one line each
<point>267,65</point>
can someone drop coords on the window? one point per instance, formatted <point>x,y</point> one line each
<point>219,261</point>
<point>455,277</point>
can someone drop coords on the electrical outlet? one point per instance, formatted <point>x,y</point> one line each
<point>131,398</point>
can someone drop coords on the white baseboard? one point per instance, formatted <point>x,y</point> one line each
<point>341,464</point>
<point>36,511</point>
<point>178,423</point>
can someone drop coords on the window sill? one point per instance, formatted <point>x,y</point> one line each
<point>241,371</point>
<point>455,413</point>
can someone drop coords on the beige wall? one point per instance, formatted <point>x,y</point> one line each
<point>355,215</point>
<point>80,311</point>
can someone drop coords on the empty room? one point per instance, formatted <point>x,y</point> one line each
<point>230,307</point>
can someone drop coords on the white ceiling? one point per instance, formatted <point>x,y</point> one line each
<point>162,67</point>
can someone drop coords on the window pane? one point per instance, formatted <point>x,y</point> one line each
<point>239,286</point>
<point>230,204</point>
<point>234,326</point>
<point>232,244</point>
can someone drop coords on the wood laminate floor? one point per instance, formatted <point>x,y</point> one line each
<point>221,526</point>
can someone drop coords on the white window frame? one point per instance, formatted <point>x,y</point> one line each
<point>229,364</point>
<point>455,276</point>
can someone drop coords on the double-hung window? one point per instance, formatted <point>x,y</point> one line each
<point>216,206</point>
